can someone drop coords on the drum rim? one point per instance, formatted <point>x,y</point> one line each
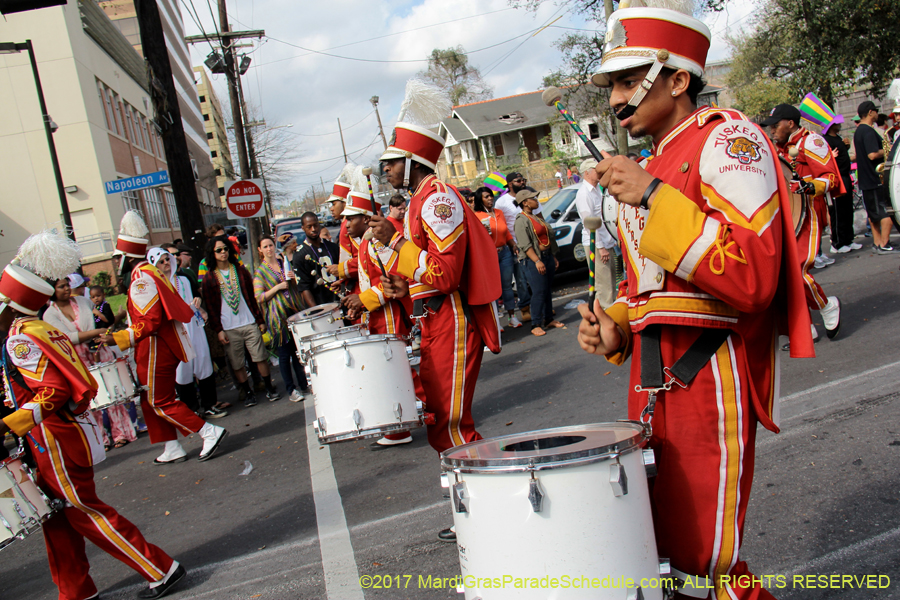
<point>538,463</point>
<point>301,317</point>
<point>314,336</point>
<point>98,366</point>
<point>363,339</point>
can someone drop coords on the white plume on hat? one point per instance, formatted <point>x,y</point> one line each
<point>133,225</point>
<point>49,254</point>
<point>424,104</point>
<point>894,94</point>
<point>682,6</point>
<point>358,181</point>
<point>346,175</point>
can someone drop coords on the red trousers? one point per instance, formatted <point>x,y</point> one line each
<point>451,358</point>
<point>704,439</point>
<point>164,414</point>
<point>91,518</point>
<point>808,242</point>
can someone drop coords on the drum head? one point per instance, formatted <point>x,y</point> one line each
<point>544,448</point>
<point>315,311</point>
<point>609,210</point>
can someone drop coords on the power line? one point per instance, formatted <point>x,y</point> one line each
<point>549,20</point>
<point>313,162</point>
<point>331,132</point>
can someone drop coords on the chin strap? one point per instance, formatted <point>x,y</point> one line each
<point>407,165</point>
<point>122,264</point>
<point>661,57</point>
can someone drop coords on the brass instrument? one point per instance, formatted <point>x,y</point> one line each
<point>880,169</point>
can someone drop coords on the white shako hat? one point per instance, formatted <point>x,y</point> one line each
<point>44,255</point>
<point>132,240</point>
<point>342,185</point>
<point>359,202</point>
<point>646,31</point>
<point>423,107</point>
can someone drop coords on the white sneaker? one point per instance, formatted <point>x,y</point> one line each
<point>815,332</point>
<point>841,250</point>
<point>386,442</point>
<point>212,435</point>
<point>819,263</point>
<point>174,453</point>
<point>296,396</point>
<point>831,316</point>
<point>855,246</point>
<point>826,259</point>
<point>514,322</point>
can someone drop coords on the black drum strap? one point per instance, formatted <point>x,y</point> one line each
<point>685,368</point>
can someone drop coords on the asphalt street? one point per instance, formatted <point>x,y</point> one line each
<point>309,521</point>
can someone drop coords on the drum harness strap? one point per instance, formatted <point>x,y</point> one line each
<point>423,307</point>
<point>654,374</point>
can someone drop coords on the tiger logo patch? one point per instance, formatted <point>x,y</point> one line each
<point>21,351</point>
<point>443,212</point>
<point>744,150</point>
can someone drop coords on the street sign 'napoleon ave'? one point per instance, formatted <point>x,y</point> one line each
<point>244,199</point>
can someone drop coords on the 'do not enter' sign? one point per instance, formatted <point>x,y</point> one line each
<point>244,199</point>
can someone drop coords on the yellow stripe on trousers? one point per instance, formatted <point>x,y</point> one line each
<point>731,448</point>
<point>100,522</point>
<point>811,252</point>
<point>459,370</point>
<point>151,387</point>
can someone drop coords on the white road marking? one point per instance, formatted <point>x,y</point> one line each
<point>837,382</point>
<point>841,555</point>
<point>338,559</point>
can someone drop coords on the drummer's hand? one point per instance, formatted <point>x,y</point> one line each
<point>383,229</point>
<point>603,253</point>
<point>223,337</point>
<point>625,180</point>
<point>395,286</point>
<point>105,339</point>
<point>353,303</point>
<point>598,333</point>
<point>333,270</point>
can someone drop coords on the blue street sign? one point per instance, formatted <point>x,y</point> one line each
<point>138,182</point>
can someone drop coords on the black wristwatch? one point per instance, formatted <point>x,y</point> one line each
<point>649,191</point>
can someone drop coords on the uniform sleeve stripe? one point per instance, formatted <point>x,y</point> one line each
<point>698,250</point>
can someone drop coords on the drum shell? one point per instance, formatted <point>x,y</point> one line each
<point>18,489</point>
<point>582,529</point>
<point>306,344</point>
<point>355,375</point>
<point>325,317</point>
<point>115,383</point>
<point>609,211</point>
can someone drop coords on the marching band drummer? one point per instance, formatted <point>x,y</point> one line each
<point>383,315</point>
<point>818,170</point>
<point>156,317</point>
<point>437,249</point>
<point>706,232</point>
<point>52,388</point>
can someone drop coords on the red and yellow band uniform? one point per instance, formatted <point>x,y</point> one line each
<point>348,262</point>
<point>65,444</point>
<point>156,314</point>
<point>446,241</point>
<point>816,165</point>
<point>714,250</point>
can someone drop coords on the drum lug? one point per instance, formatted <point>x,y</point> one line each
<point>445,484</point>
<point>618,479</point>
<point>346,356</point>
<point>665,567</point>
<point>535,494</point>
<point>637,594</point>
<point>357,418</point>
<point>320,425</point>
<point>460,497</point>
<point>649,462</point>
<point>388,353</point>
<point>312,365</point>
<point>398,410</point>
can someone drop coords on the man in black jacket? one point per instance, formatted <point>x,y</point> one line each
<point>841,208</point>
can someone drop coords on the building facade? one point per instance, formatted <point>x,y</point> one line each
<point>215,132</point>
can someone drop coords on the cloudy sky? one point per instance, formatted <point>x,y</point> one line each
<point>375,47</point>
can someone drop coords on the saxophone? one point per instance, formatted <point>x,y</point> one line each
<point>884,168</point>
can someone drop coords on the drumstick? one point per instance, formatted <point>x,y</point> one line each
<point>592,224</point>
<point>369,234</point>
<point>552,96</point>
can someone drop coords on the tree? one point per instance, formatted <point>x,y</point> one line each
<point>829,47</point>
<point>450,70</point>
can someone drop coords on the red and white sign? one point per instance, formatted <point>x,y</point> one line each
<point>244,199</point>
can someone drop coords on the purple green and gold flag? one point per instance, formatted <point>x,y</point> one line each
<point>495,182</point>
<point>818,113</point>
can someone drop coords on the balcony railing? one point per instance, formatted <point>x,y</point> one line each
<point>97,244</point>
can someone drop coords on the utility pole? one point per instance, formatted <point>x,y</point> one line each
<point>374,101</point>
<point>621,132</point>
<point>165,102</point>
<point>346,160</point>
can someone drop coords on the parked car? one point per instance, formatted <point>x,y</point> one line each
<point>560,212</point>
<point>240,232</point>
<point>290,225</point>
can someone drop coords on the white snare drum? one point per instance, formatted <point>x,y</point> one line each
<point>306,344</point>
<point>324,317</point>
<point>23,506</point>
<point>116,383</point>
<point>609,211</point>
<point>363,388</point>
<point>565,502</point>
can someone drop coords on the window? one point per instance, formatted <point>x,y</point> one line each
<point>129,28</point>
<point>221,191</point>
<point>173,210</point>
<point>132,202</point>
<point>209,135</point>
<point>565,135</point>
<point>106,106</point>
<point>497,141</point>
<point>145,133</point>
<point>218,172</point>
<point>206,116</point>
<point>117,108</point>
<point>202,98</point>
<point>155,214</point>
<point>593,131</point>
<point>214,154</point>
